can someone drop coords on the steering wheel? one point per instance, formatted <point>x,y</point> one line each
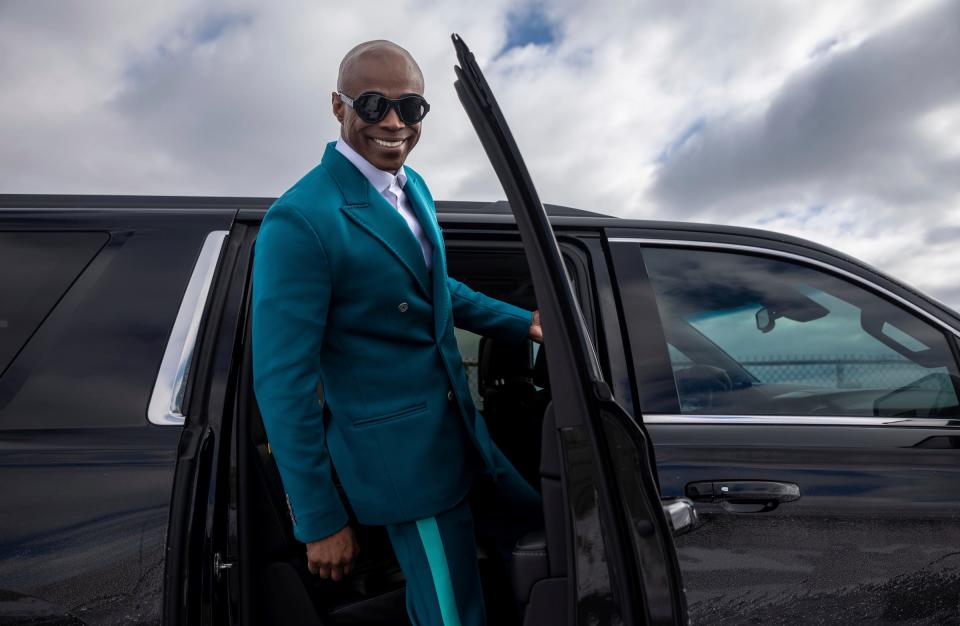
<point>699,385</point>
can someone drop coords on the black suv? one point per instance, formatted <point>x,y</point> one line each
<point>806,403</point>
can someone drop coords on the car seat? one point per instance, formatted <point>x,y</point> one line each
<point>540,558</point>
<point>513,406</point>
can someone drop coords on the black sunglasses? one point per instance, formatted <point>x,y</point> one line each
<point>371,107</point>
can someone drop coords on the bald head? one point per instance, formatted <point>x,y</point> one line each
<point>384,68</point>
<point>373,57</point>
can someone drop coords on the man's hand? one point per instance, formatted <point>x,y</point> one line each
<point>332,557</point>
<point>535,332</point>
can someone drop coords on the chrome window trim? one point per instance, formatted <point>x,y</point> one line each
<point>165,408</point>
<point>794,257</point>
<point>800,420</point>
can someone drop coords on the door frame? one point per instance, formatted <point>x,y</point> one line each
<point>623,539</point>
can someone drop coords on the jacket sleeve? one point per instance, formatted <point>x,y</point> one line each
<point>291,295</point>
<point>473,310</point>
<point>487,316</point>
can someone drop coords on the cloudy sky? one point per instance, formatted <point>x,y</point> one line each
<point>835,121</point>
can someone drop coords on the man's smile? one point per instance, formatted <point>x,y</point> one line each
<point>388,143</point>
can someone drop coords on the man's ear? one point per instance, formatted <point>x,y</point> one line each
<point>338,106</point>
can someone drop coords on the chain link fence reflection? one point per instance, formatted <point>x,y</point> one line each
<point>837,372</point>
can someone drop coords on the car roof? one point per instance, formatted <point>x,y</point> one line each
<point>92,201</point>
<point>448,212</point>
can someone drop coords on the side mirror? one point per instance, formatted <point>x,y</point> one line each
<point>681,514</point>
<point>766,320</point>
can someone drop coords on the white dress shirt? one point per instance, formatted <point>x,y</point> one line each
<point>391,188</point>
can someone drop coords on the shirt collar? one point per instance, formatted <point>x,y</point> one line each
<point>380,179</point>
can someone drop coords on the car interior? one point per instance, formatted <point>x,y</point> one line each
<point>874,358</point>
<point>513,387</point>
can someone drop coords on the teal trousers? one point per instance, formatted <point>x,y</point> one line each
<point>438,554</point>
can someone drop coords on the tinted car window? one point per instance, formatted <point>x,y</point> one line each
<point>761,336</point>
<point>36,269</point>
<point>94,359</point>
<point>469,344</point>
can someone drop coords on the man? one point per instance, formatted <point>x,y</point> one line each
<point>350,290</point>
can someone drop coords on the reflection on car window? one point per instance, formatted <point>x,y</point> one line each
<point>36,268</point>
<point>469,344</point>
<point>751,335</point>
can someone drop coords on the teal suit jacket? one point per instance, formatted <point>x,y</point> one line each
<point>342,296</point>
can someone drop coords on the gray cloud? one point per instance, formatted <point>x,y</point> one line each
<point>838,122</point>
<point>942,235</point>
<point>218,98</point>
<point>844,127</point>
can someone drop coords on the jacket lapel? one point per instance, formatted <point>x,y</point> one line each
<point>427,217</point>
<point>370,211</point>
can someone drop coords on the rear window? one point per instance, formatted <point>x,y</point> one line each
<point>36,269</point>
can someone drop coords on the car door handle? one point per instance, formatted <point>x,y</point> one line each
<point>744,496</point>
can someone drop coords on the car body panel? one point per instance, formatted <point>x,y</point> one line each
<point>87,480</point>
<point>878,516</point>
<point>872,536</point>
<point>878,507</point>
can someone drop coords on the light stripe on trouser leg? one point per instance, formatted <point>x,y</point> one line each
<point>456,532</point>
<point>437,559</point>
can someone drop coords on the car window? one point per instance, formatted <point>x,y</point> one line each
<point>754,335</point>
<point>469,344</point>
<point>36,269</point>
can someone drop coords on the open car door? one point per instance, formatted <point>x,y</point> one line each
<point>617,540</point>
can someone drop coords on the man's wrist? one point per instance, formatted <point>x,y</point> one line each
<point>311,528</point>
<point>333,534</point>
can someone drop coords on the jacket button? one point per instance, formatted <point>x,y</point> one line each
<point>403,307</point>
<point>450,395</point>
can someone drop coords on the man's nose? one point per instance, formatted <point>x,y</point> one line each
<point>391,120</point>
